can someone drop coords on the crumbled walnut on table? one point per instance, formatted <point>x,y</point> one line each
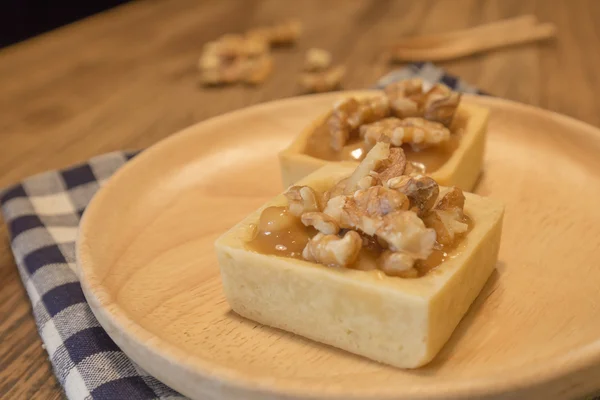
<point>323,81</point>
<point>418,132</point>
<point>321,222</point>
<point>333,250</point>
<point>302,199</point>
<point>397,264</point>
<point>447,217</point>
<point>257,70</point>
<point>421,190</point>
<point>317,60</point>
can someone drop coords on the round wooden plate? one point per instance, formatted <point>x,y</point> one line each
<point>148,268</point>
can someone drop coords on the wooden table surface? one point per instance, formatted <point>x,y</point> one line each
<point>127,78</point>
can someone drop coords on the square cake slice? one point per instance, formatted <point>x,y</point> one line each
<point>389,315</point>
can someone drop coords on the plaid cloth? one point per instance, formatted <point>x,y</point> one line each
<point>42,214</point>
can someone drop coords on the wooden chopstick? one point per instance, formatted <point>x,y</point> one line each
<point>474,40</point>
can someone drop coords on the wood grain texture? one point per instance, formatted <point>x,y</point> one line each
<point>154,283</point>
<point>127,78</point>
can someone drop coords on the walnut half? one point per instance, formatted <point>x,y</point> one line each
<point>332,250</point>
<point>447,217</point>
<point>302,199</point>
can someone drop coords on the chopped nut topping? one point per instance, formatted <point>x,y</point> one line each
<point>397,264</point>
<point>416,131</point>
<point>440,104</point>
<point>349,114</point>
<point>447,217</point>
<point>321,222</point>
<point>323,81</point>
<point>302,199</point>
<point>374,158</point>
<point>404,231</point>
<point>388,220</point>
<point>317,60</point>
<point>379,201</point>
<point>422,190</point>
<point>453,199</point>
<point>371,109</point>
<point>393,166</point>
<point>367,182</point>
<point>405,97</point>
<point>333,250</point>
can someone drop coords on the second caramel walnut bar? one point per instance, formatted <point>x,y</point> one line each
<point>441,137</point>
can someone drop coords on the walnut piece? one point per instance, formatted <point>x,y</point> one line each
<point>405,97</point>
<point>302,199</point>
<point>257,70</point>
<point>404,231</point>
<point>401,230</point>
<point>379,201</point>
<point>447,217</point>
<point>393,166</point>
<point>440,104</point>
<point>373,159</point>
<point>333,250</point>
<point>370,109</point>
<point>452,199</point>
<point>323,81</point>
<point>397,264</point>
<point>235,58</point>
<point>422,190</point>
<point>415,131</point>
<point>317,60</point>
<point>321,222</point>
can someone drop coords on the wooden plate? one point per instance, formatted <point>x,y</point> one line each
<point>148,268</point>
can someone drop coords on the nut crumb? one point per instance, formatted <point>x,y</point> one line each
<point>323,81</point>
<point>422,190</point>
<point>321,222</point>
<point>397,264</point>
<point>317,60</point>
<point>447,217</point>
<point>302,199</point>
<point>440,104</point>
<point>405,97</point>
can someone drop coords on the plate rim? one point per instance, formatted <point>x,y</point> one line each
<point>117,322</point>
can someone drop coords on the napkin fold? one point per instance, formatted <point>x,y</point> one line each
<point>42,213</point>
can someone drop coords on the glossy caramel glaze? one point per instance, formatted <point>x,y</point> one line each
<point>432,158</point>
<point>280,233</point>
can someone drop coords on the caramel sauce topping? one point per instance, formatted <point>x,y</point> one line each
<point>432,158</point>
<point>280,233</point>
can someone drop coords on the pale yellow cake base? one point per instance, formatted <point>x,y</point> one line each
<point>401,322</point>
<point>462,169</point>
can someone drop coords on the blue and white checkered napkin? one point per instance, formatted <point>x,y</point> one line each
<point>42,214</point>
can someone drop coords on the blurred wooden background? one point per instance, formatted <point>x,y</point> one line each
<point>127,78</point>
